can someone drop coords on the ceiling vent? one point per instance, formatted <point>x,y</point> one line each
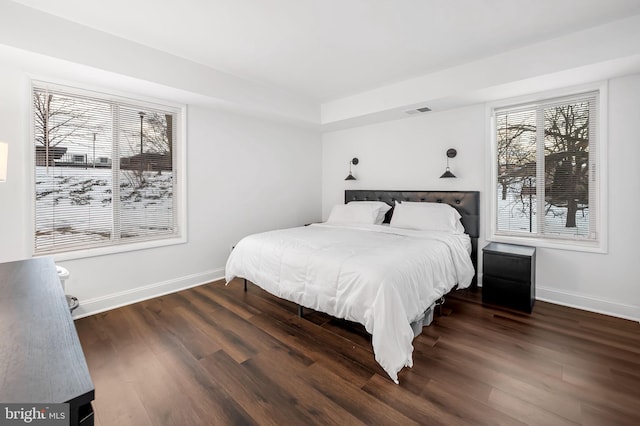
<point>418,110</point>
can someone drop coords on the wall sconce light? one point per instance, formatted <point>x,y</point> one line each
<point>451,153</point>
<point>4,155</point>
<point>353,161</point>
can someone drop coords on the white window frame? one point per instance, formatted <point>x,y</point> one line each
<point>180,151</point>
<point>601,244</point>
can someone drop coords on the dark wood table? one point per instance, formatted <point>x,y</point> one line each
<point>41,360</point>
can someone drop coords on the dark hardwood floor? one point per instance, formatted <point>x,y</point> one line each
<point>214,355</point>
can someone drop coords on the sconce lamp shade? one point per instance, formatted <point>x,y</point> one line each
<point>353,161</point>
<point>4,153</point>
<point>447,174</point>
<point>451,153</point>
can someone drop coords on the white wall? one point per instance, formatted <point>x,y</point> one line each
<point>406,154</point>
<point>410,154</point>
<point>244,175</point>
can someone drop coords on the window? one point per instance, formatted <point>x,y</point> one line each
<point>546,171</point>
<point>106,170</point>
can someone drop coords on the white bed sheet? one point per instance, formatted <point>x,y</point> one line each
<point>378,276</point>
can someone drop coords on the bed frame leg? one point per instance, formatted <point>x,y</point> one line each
<point>245,284</point>
<point>439,304</point>
<point>300,311</point>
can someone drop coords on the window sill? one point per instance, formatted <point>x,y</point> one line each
<point>115,249</point>
<point>581,246</point>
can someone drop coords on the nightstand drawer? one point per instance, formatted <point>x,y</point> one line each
<point>510,294</point>
<point>508,267</point>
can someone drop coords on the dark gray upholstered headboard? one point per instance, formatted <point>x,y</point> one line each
<point>466,202</point>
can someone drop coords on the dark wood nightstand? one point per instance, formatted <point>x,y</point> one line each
<point>509,276</point>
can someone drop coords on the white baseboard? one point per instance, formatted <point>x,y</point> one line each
<point>123,298</point>
<point>584,302</point>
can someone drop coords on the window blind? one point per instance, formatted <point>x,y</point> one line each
<point>547,168</point>
<point>105,172</point>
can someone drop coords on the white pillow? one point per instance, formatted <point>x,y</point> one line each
<point>380,208</point>
<point>427,217</point>
<point>353,213</point>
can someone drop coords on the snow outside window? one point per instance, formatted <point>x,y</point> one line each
<point>546,170</point>
<point>105,170</point>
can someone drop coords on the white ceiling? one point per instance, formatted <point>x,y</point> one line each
<point>329,49</point>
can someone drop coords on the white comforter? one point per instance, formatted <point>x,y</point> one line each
<point>382,277</point>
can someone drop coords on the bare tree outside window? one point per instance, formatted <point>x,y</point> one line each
<point>567,159</point>
<point>59,119</point>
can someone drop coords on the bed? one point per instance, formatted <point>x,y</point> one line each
<point>384,277</point>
